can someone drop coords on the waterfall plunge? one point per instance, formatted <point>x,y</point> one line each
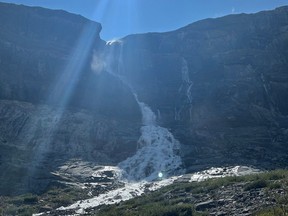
<point>158,151</point>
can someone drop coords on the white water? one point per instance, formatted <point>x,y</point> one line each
<point>129,191</point>
<point>158,151</point>
<point>220,172</point>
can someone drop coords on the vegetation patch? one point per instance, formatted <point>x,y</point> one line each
<point>27,204</point>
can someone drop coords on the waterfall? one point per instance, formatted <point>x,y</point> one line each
<point>184,89</point>
<point>185,71</point>
<point>186,82</point>
<point>158,153</point>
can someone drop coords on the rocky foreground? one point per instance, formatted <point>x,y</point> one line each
<point>261,194</point>
<point>108,187</point>
<point>204,193</point>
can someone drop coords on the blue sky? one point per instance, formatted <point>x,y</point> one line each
<point>122,17</point>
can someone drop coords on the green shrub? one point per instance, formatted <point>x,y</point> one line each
<point>10,210</point>
<point>276,210</point>
<point>16,201</point>
<point>151,209</point>
<point>171,210</point>
<point>261,183</point>
<point>30,199</point>
<point>26,211</point>
<point>275,175</point>
<point>63,200</point>
<point>275,185</point>
<point>283,200</point>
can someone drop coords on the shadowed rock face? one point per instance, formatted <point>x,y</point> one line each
<point>53,107</point>
<point>37,139</point>
<point>46,55</point>
<point>219,85</point>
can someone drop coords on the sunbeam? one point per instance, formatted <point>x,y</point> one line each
<point>61,93</point>
<point>64,87</point>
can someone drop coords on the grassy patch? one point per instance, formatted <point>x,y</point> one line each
<point>273,211</point>
<point>28,204</point>
<point>261,183</point>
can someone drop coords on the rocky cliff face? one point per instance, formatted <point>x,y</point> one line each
<point>45,57</point>
<point>37,139</point>
<point>219,85</point>
<point>53,106</point>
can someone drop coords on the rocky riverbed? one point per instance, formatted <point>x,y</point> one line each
<point>107,187</point>
<point>246,195</point>
<point>99,190</point>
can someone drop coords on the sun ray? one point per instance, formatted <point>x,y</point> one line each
<point>61,92</point>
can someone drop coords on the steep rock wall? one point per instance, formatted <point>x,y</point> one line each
<point>219,84</point>
<point>37,139</point>
<point>53,106</point>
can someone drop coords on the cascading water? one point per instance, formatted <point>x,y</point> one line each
<point>185,89</point>
<point>158,151</point>
<point>186,80</point>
